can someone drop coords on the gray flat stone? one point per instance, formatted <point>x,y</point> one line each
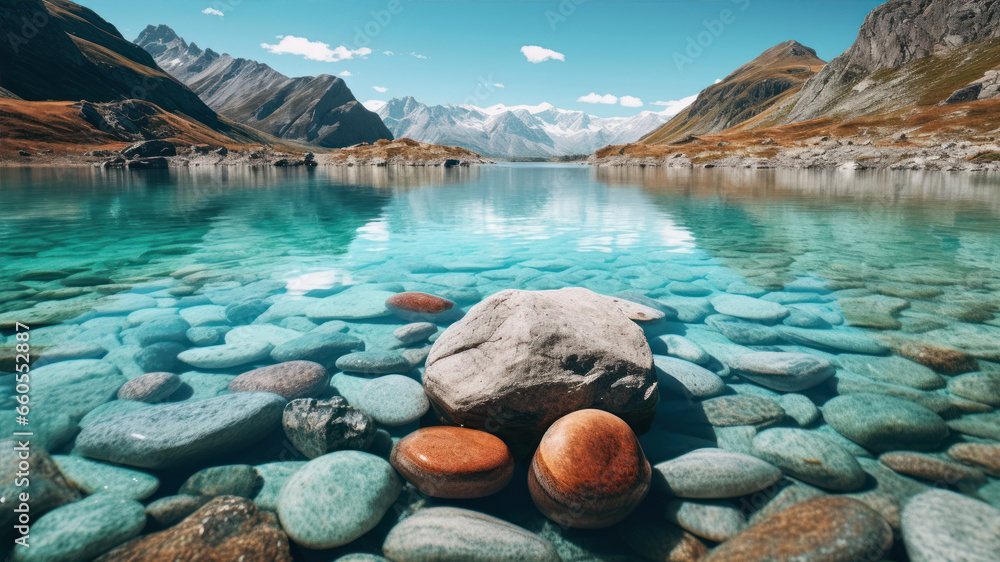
<point>171,435</point>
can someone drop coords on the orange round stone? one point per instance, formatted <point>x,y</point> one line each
<point>453,462</point>
<point>413,301</point>
<point>589,470</point>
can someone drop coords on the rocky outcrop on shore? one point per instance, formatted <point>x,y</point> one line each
<point>819,153</point>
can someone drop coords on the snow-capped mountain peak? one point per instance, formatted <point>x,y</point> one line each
<point>513,131</point>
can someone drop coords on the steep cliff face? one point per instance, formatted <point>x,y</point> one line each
<point>892,62</point>
<point>749,92</point>
<point>320,110</point>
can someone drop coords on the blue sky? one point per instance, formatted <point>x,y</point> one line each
<point>621,51</point>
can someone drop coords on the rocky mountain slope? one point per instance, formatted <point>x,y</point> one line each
<point>499,131</point>
<point>908,52</point>
<point>58,51</point>
<point>754,88</point>
<point>919,89</point>
<point>319,110</point>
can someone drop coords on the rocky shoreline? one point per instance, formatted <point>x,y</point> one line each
<point>822,154</point>
<point>160,154</point>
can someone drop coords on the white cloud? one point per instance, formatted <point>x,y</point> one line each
<point>314,50</point>
<point>607,99</point>
<point>718,80</point>
<point>674,107</point>
<point>212,12</point>
<point>498,85</point>
<point>537,54</point>
<point>418,55</point>
<point>390,53</point>
<point>380,89</point>
<point>631,101</point>
<point>345,73</point>
<point>278,36</point>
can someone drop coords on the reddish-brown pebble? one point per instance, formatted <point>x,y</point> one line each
<point>418,302</point>
<point>982,455</point>
<point>453,462</point>
<point>927,467</point>
<point>290,380</point>
<point>589,470</point>
<point>824,528</point>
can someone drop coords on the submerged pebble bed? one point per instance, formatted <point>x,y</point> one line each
<point>815,389</point>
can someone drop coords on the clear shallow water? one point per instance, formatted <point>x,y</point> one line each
<point>895,257</point>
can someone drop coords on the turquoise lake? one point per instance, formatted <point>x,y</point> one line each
<point>892,277</point>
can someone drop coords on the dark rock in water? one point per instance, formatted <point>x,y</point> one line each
<point>885,423</point>
<point>944,526</point>
<point>231,480</point>
<point>167,512</point>
<point>451,533</point>
<point>290,380</point>
<point>825,528</point>
<point>148,164</point>
<point>659,540</point>
<point>82,530</point>
<point>725,411</point>
<point>317,427</point>
<point>151,387</point>
<point>520,360</point>
<point>149,149</point>
<point>164,436</point>
<point>451,163</point>
<point>226,528</point>
<point>116,162</point>
<point>49,488</point>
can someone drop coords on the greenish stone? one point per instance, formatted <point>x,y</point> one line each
<point>885,423</point>
<point>105,479</point>
<point>336,498</point>
<point>80,531</point>
<point>176,434</point>
<point>451,533</point>
<point>809,457</point>
<point>274,475</point>
<point>230,480</point>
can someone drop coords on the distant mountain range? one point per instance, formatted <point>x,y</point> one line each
<point>521,131</point>
<point>319,110</point>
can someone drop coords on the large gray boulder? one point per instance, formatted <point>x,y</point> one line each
<point>520,360</point>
